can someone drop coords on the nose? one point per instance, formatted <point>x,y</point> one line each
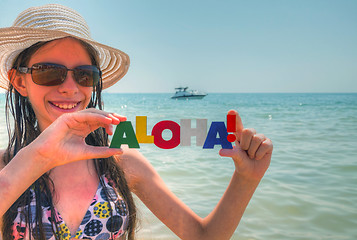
<point>69,86</point>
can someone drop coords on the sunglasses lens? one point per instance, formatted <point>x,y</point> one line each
<point>46,74</point>
<point>50,74</point>
<point>87,76</point>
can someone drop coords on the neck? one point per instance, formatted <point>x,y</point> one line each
<point>73,172</point>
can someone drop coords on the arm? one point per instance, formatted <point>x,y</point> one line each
<point>24,169</point>
<point>145,182</point>
<point>66,138</point>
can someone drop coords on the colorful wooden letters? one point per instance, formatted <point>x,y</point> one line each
<point>180,134</point>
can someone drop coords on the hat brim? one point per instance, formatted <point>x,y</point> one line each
<point>113,62</point>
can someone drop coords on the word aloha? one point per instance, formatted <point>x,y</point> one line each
<point>181,134</point>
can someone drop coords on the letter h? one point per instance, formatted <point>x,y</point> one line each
<point>200,132</point>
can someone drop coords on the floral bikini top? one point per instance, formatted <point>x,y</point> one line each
<point>98,222</point>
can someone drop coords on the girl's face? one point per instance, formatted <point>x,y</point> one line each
<point>49,102</point>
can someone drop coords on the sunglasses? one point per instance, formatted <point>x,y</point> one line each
<point>51,74</point>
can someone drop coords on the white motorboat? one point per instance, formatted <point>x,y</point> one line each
<point>182,93</point>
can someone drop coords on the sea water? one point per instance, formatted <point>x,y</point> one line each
<point>310,189</point>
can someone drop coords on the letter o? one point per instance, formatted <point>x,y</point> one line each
<point>157,133</point>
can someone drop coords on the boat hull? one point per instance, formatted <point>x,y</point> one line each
<point>188,97</point>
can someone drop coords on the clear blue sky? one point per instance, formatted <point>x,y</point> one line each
<point>224,46</point>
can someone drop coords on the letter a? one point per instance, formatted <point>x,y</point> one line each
<point>211,140</point>
<point>130,138</point>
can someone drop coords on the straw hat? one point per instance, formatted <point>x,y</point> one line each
<point>50,22</point>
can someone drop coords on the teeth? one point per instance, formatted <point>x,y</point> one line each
<point>65,106</point>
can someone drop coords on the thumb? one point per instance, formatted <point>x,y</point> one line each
<point>236,153</point>
<point>226,152</point>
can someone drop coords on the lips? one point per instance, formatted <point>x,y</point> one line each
<point>65,105</point>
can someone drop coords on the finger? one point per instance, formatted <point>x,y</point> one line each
<point>246,137</point>
<point>116,118</point>
<point>109,129</point>
<point>120,117</point>
<point>266,147</point>
<point>226,152</point>
<point>92,118</point>
<point>239,124</point>
<point>101,152</point>
<point>82,124</point>
<point>237,154</point>
<point>254,144</point>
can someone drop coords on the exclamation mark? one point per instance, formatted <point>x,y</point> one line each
<point>231,127</point>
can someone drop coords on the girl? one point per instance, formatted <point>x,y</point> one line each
<point>58,158</point>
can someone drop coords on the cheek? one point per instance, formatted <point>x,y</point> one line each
<point>35,96</point>
<point>88,93</point>
<point>37,104</point>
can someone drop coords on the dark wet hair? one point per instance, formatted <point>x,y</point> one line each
<point>25,129</point>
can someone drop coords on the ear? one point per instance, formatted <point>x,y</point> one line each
<point>18,81</point>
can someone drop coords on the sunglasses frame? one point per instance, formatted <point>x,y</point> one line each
<point>61,67</point>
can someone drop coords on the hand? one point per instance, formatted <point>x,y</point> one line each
<point>64,140</point>
<point>251,153</point>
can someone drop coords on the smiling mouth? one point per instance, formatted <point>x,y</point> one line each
<point>65,106</point>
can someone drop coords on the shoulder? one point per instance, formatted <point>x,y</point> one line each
<point>135,166</point>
